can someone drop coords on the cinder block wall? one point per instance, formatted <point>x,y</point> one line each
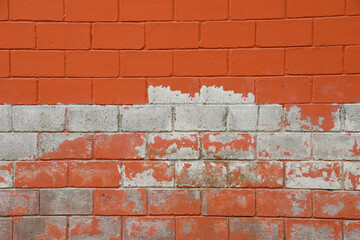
<point>180,119</point>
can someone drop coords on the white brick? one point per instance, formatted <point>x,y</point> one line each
<point>200,118</point>
<point>292,146</point>
<point>146,118</point>
<point>93,118</point>
<point>5,118</point>
<point>316,175</point>
<point>352,117</point>
<point>336,146</point>
<point>38,118</point>
<point>270,117</point>
<point>18,146</point>
<point>243,118</point>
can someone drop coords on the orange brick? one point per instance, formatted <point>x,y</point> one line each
<point>41,174</point>
<point>92,64</point>
<point>161,228</point>
<point>352,7</point>
<point>226,202</point>
<point>201,9</point>
<point>4,63</point>
<point>120,146</point>
<point>37,63</point>
<point>352,59</point>
<point>281,203</point>
<point>279,33</point>
<point>336,204</point>
<point>63,36</point>
<point>257,9</point>
<point>339,89</point>
<point>228,34</point>
<point>257,62</point>
<point>17,35</point>
<point>174,202</point>
<point>147,63</point>
<point>172,35</point>
<point>120,202</point>
<point>118,35</point>
<point>4,13</point>
<point>283,90</point>
<point>337,31</point>
<point>256,228</point>
<point>201,228</point>
<point>200,62</point>
<point>120,91</point>
<point>326,60</point>
<point>36,10</point>
<point>65,91</point>
<point>94,174</point>
<point>94,10</point>
<point>313,229</point>
<point>145,10</point>
<point>18,91</point>
<point>313,8</point>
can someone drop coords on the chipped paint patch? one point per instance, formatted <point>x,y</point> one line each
<point>256,174</point>
<point>228,146</point>
<point>173,146</point>
<point>119,202</point>
<point>148,174</point>
<point>164,94</point>
<point>336,204</point>
<point>65,146</point>
<point>215,94</point>
<point>313,229</point>
<point>201,174</point>
<point>6,175</point>
<point>323,175</point>
<point>94,228</point>
<point>149,228</point>
<point>284,203</point>
<point>352,175</point>
<point>315,117</point>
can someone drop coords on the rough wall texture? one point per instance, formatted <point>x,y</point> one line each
<point>180,119</point>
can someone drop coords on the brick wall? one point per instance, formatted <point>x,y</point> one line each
<point>180,119</point>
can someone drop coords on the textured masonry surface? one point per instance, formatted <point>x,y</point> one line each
<point>190,171</point>
<point>179,119</point>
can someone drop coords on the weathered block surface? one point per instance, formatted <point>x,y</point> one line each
<point>200,118</point>
<point>38,118</point>
<point>211,170</point>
